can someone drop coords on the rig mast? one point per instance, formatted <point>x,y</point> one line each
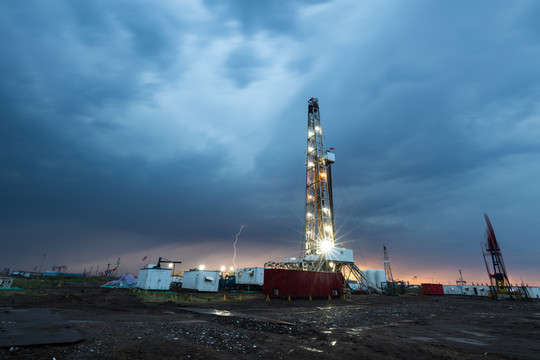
<point>318,249</point>
<point>500,285</point>
<point>387,269</point>
<point>319,231</point>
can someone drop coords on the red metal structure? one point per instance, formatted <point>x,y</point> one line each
<point>500,285</point>
<point>432,289</point>
<point>298,283</point>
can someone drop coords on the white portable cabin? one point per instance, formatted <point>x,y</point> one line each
<point>154,279</point>
<point>250,276</point>
<point>473,290</point>
<point>201,280</point>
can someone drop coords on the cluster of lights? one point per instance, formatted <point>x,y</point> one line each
<point>326,245</point>
<point>202,267</point>
<point>310,164</point>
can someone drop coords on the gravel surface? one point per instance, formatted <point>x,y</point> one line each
<point>118,325</point>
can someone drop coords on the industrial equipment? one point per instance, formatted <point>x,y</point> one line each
<point>170,263</point>
<point>500,285</point>
<point>250,277</point>
<point>319,253</point>
<point>201,280</point>
<point>60,269</point>
<point>154,279</point>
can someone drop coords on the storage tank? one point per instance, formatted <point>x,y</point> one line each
<point>201,280</point>
<point>370,273</point>
<point>380,278</point>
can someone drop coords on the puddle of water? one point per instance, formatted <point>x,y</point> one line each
<point>311,349</point>
<point>476,334</point>
<point>333,343</point>
<point>465,341</point>
<point>421,338</point>
<point>355,331</point>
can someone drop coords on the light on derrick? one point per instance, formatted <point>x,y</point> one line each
<point>326,246</point>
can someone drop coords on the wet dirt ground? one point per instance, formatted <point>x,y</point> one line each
<point>116,324</point>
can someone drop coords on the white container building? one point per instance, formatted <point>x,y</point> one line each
<point>201,280</point>
<point>154,279</point>
<point>483,290</point>
<point>250,276</point>
<point>533,292</point>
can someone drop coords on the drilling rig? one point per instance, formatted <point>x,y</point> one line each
<point>319,224</point>
<point>387,269</point>
<point>500,285</point>
<point>318,249</point>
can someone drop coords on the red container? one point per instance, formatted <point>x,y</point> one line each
<point>432,289</point>
<point>298,283</point>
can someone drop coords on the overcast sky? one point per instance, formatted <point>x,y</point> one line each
<point>159,128</point>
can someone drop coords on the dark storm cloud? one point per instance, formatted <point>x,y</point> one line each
<point>144,126</point>
<point>241,64</point>
<point>275,16</point>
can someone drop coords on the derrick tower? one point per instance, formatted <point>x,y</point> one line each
<point>318,249</point>
<point>319,232</point>
<point>500,285</point>
<point>387,269</point>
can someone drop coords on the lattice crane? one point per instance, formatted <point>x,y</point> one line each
<point>500,285</point>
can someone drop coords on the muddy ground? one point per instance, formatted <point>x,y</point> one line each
<point>117,324</point>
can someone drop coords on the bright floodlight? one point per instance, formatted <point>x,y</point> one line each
<point>201,267</point>
<point>231,268</point>
<point>223,268</point>
<point>326,246</point>
<point>170,265</point>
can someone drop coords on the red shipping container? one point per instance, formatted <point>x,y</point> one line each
<point>432,289</point>
<point>298,283</point>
